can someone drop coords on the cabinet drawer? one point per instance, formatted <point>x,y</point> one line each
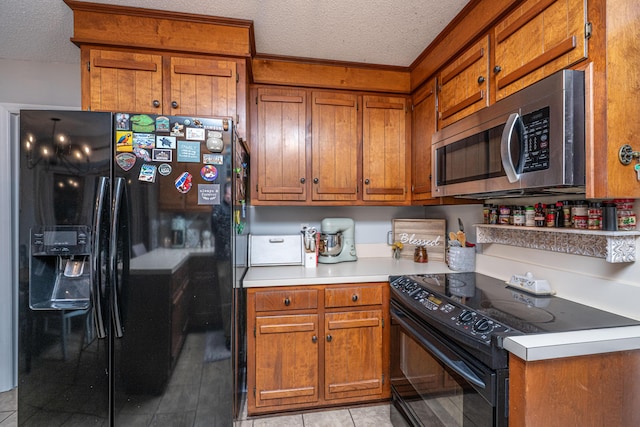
<point>353,296</point>
<point>287,299</point>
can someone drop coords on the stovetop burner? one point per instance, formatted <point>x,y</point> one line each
<point>478,310</point>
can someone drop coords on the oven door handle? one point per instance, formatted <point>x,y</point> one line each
<point>457,365</point>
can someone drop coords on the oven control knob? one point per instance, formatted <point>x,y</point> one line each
<point>482,325</point>
<point>466,316</point>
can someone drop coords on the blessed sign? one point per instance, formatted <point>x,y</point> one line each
<point>421,232</point>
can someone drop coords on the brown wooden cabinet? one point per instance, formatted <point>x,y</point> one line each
<point>139,82</point>
<point>122,81</point>
<point>279,145</point>
<point>535,40</point>
<point>592,390</point>
<point>334,146</point>
<point>315,346</point>
<point>423,127</point>
<point>385,171</point>
<point>320,148</point>
<point>463,85</point>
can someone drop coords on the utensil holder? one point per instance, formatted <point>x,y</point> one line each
<point>462,259</point>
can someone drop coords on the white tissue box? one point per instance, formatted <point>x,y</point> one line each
<point>310,260</point>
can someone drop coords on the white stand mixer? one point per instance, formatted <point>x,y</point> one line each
<point>337,243</point>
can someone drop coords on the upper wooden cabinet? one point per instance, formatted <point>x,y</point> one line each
<point>423,126</point>
<point>537,39</point>
<point>279,144</point>
<point>122,81</point>
<point>385,170</point>
<point>202,87</point>
<point>353,155</point>
<point>334,146</point>
<point>136,82</point>
<point>464,84</point>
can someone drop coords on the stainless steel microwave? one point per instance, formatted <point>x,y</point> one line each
<point>531,142</point>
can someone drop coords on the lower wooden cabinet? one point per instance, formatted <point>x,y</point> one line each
<point>316,346</point>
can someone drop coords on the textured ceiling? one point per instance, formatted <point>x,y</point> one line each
<point>388,32</point>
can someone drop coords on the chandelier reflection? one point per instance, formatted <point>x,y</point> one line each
<point>57,152</point>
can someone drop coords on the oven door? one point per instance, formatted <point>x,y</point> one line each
<point>436,384</point>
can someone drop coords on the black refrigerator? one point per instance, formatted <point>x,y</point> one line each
<point>132,243</point>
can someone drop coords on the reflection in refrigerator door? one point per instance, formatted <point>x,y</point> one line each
<point>124,311</point>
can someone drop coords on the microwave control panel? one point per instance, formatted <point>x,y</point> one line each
<point>536,140</point>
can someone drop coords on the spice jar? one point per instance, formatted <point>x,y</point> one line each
<point>550,215</point>
<point>420,254</point>
<point>529,216</point>
<point>580,214</point>
<point>594,220</point>
<point>539,215</point>
<point>505,214</point>
<point>518,215</point>
<point>566,210</point>
<point>626,217</point>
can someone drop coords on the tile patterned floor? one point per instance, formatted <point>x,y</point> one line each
<point>147,413</point>
<point>365,416</point>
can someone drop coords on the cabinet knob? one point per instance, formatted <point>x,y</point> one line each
<point>316,180</point>
<point>156,103</point>
<point>174,104</point>
<point>314,339</point>
<point>354,298</point>
<point>366,181</point>
<point>497,69</point>
<point>287,301</point>
<point>302,180</point>
<point>329,338</point>
<point>480,80</point>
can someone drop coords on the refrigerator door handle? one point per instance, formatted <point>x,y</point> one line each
<point>119,252</point>
<point>98,267</point>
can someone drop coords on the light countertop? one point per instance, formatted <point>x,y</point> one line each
<point>164,260</point>
<point>527,347</point>
<point>362,270</point>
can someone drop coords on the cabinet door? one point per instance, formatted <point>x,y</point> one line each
<point>202,87</point>
<point>423,126</point>
<point>353,354</point>
<point>281,156</point>
<point>537,39</point>
<point>334,146</point>
<point>384,162</point>
<point>464,84</point>
<point>286,360</point>
<point>124,81</point>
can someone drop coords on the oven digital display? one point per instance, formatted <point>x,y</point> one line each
<point>435,300</point>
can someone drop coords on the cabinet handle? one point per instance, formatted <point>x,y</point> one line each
<point>497,69</point>
<point>302,180</point>
<point>287,301</point>
<point>174,104</point>
<point>329,338</point>
<point>314,339</point>
<point>366,181</point>
<point>354,298</point>
<point>316,180</point>
<point>480,80</point>
<point>156,103</point>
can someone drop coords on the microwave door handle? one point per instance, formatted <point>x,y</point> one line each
<point>513,123</point>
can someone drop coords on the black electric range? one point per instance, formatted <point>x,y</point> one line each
<point>477,311</point>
